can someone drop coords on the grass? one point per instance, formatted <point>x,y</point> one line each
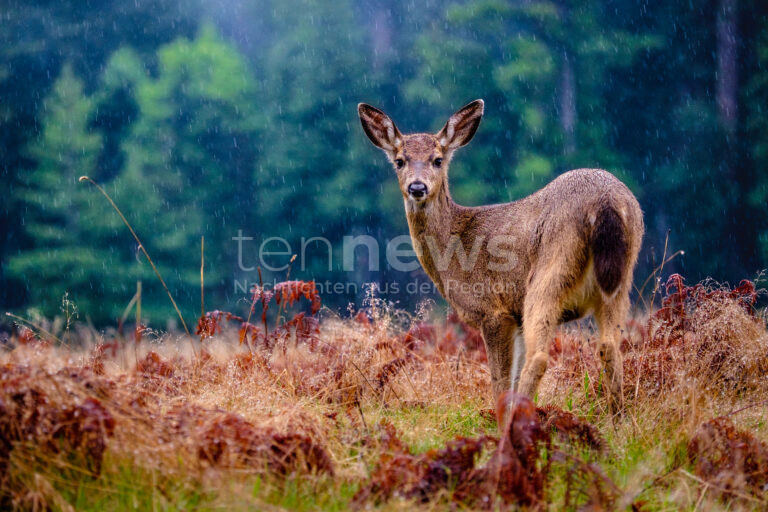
<point>431,427</point>
<point>307,422</point>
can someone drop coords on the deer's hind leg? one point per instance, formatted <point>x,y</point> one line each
<point>544,302</point>
<point>549,289</point>
<point>610,315</point>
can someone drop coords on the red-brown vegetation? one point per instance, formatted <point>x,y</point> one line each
<point>731,460</point>
<point>305,393</point>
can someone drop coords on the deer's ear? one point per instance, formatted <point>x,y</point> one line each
<point>462,125</point>
<point>379,128</point>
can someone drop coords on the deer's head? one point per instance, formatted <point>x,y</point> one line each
<point>421,159</point>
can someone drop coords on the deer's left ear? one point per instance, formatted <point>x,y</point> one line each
<point>462,125</point>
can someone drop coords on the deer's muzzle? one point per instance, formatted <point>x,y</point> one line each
<point>417,190</point>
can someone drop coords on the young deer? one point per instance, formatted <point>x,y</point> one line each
<point>554,256</point>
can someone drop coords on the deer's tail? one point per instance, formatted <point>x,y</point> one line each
<point>609,248</point>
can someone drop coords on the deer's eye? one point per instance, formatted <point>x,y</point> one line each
<point>399,163</point>
<point>437,162</point>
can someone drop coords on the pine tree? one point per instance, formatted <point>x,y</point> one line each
<point>313,80</point>
<point>757,128</point>
<point>190,161</point>
<point>542,68</point>
<point>60,216</point>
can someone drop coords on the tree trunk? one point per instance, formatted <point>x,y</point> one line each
<point>568,105</point>
<point>727,73</point>
<point>381,36</point>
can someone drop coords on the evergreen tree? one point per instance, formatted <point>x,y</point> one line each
<point>666,114</point>
<point>60,214</point>
<point>35,40</point>
<point>312,83</point>
<point>116,107</point>
<point>757,129</point>
<point>190,160</point>
<point>209,136</point>
<point>542,68</point>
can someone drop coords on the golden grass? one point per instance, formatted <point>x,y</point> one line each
<point>304,425</point>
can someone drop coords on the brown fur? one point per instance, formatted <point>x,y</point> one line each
<point>609,248</point>
<point>572,247</point>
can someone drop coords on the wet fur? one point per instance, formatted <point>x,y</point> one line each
<point>609,247</point>
<point>575,243</point>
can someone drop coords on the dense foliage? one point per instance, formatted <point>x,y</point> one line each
<point>207,120</point>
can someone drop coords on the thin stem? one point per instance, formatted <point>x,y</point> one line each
<point>661,269</point>
<point>658,269</point>
<point>755,404</point>
<point>139,328</point>
<point>641,290</point>
<point>280,307</point>
<point>202,276</point>
<point>36,327</point>
<point>248,323</point>
<point>125,314</point>
<point>141,246</point>
<point>263,306</point>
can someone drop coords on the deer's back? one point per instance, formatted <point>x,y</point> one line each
<point>568,206</point>
<point>562,214</point>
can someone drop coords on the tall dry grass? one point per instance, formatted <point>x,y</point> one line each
<point>371,411</point>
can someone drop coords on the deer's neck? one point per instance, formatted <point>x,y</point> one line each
<point>431,226</point>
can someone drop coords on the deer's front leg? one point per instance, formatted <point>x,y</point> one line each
<point>518,358</point>
<point>498,333</point>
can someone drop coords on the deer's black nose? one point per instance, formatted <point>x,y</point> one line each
<point>417,189</point>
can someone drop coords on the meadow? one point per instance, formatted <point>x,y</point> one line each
<point>235,123</point>
<point>287,405</point>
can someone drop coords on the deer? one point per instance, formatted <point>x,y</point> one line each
<point>557,255</point>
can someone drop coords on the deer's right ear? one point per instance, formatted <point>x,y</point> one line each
<point>379,128</point>
<point>462,125</point>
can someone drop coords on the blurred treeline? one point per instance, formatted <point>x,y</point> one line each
<point>205,118</point>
